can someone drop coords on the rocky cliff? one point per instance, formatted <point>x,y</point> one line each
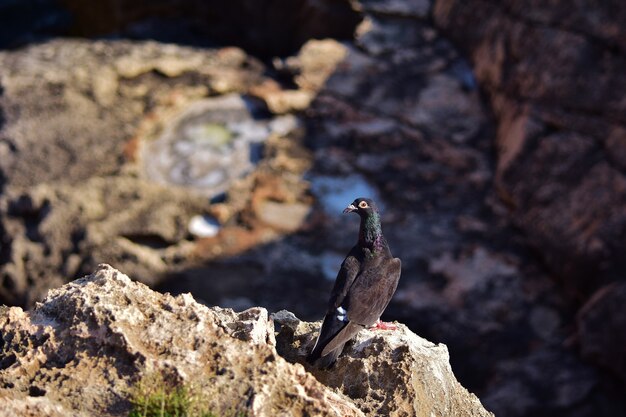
<point>561,140</point>
<point>491,133</point>
<point>82,349</point>
<point>561,124</point>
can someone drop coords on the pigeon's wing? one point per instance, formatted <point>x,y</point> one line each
<point>367,298</point>
<point>345,334</point>
<point>393,276</point>
<point>335,332</point>
<point>371,292</point>
<point>329,345</point>
<point>325,356</point>
<point>345,277</point>
<point>335,320</point>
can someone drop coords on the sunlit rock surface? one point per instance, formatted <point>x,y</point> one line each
<point>89,341</point>
<point>81,350</point>
<point>385,373</point>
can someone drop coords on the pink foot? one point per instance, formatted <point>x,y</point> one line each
<point>381,325</point>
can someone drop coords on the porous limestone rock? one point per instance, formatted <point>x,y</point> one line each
<point>26,406</point>
<point>82,349</point>
<point>386,373</point>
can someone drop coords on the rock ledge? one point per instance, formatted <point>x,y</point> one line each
<point>81,350</point>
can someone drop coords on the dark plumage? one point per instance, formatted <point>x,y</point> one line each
<point>364,286</point>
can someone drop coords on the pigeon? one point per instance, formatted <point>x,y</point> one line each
<point>366,281</point>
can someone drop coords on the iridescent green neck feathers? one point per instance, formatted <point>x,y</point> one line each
<point>370,233</point>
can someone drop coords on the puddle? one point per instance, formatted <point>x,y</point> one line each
<point>211,143</point>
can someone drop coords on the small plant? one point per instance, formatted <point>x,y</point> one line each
<point>155,397</point>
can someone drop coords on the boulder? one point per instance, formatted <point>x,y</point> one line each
<point>83,349</point>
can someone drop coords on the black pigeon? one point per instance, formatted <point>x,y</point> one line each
<point>364,286</point>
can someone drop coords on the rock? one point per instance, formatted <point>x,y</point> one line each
<point>69,229</point>
<point>87,157</point>
<point>87,97</point>
<point>316,61</point>
<point>479,268</point>
<point>602,329</point>
<point>310,68</point>
<point>288,217</point>
<point>25,406</point>
<point>391,373</point>
<point>281,101</point>
<point>403,113</point>
<point>560,116</point>
<point>558,380</point>
<point>81,350</point>
<point>88,342</point>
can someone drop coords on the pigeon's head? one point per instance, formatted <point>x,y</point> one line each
<point>362,206</point>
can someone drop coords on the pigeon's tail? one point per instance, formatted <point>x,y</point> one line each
<point>314,355</point>
<point>331,341</point>
<point>330,328</point>
<point>326,361</point>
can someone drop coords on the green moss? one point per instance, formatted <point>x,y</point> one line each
<point>153,396</point>
<point>213,134</point>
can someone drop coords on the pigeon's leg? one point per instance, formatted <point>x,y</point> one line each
<point>381,325</point>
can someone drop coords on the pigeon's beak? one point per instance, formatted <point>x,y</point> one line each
<point>350,209</point>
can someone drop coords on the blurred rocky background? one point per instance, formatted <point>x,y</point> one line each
<point>210,147</point>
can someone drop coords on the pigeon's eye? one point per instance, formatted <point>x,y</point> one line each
<point>363,204</point>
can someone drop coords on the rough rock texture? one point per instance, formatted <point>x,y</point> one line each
<point>70,228</point>
<point>385,373</point>
<point>60,97</point>
<point>403,114</point>
<point>560,138</point>
<point>88,342</point>
<point>561,124</point>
